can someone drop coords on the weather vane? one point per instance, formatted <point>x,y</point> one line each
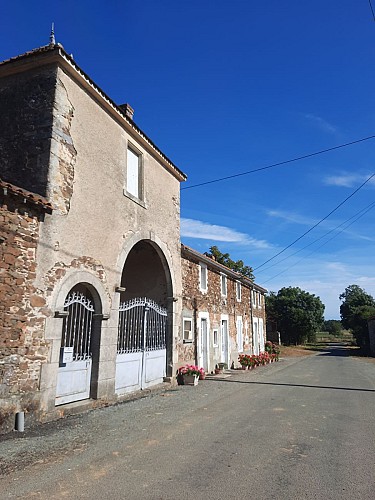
<point>52,40</point>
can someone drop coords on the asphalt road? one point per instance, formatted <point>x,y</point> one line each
<point>302,428</point>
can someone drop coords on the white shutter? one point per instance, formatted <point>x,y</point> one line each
<point>132,174</point>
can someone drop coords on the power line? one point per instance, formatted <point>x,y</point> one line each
<point>370,207</point>
<point>317,224</point>
<point>372,10</point>
<point>278,164</point>
<point>360,214</point>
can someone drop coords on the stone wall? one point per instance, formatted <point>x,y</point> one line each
<point>195,302</point>
<point>26,103</point>
<point>22,308</point>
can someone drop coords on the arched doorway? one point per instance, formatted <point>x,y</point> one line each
<point>144,329</point>
<point>79,352</point>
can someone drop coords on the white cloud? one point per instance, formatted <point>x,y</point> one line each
<point>291,217</point>
<point>347,180</point>
<point>191,228</point>
<point>321,123</point>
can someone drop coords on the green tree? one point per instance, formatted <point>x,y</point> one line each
<point>357,306</point>
<point>299,314</point>
<point>333,326</point>
<point>224,258</point>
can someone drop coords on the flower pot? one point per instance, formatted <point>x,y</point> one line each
<point>191,379</point>
<point>202,376</point>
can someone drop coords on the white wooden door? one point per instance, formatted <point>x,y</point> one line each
<point>203,349</point>
<point>224,341</point>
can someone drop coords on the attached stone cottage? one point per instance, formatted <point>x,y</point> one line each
<point>90,269</point>
<point>223,313</point>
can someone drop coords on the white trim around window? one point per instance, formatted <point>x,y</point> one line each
<point>223,285</point>
<point>187,330</point>
<point>239,325</point>
<point>203,277</point>
<point>134,182</point>
<point>215,337</point>
<point>238,291</point>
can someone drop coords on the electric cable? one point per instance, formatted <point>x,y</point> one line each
<point>318,248</point>
<point>317,224</point>
<point>365,210</point>
<point>278,164</point>
<point>372,10</point>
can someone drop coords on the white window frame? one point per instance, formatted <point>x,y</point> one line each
<point>260,300</point>
<point>253,298</point>
<point>134,184</point>
<point>190,338</point>
<point>239,327</point>
<point>202,267</point>
<point>215,342</point>
<point>238,291</point>
<point>223,285</point>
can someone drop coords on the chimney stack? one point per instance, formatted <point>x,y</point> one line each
<point>128,110</point>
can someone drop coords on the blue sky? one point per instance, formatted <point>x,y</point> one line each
<point>226,87</point>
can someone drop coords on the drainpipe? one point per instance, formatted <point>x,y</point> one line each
<point>20,421</point>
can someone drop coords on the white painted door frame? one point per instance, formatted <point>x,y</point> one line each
<point>204,341</point>
<point>224,338</point>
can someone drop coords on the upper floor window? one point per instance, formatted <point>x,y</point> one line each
<point>254,298</point>
<point>203,277</point>
<point>238,291</point>
<point>134,174</point>
<point>223,281</point>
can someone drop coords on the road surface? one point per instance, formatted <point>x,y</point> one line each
<point>302,428</point>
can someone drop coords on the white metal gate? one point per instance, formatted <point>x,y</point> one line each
<point>74,373</point>
<point>141,345</point>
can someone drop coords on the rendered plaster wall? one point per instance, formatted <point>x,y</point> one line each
<point>212,302</point>
<point>23,348</point>
<point>26,102</point>
<point>87,238</point>
<point>96,225</point>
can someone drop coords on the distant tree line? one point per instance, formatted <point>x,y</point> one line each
<point>299,314</point>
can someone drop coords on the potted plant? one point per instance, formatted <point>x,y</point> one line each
<point>202,374</point>
<point>190,374</point>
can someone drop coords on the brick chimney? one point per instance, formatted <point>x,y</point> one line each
<point>128,110</point>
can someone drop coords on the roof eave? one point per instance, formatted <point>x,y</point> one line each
<point>50,54</point>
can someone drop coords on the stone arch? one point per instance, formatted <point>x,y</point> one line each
<point>157,281</point>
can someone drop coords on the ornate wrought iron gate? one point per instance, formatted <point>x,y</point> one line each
<point>74,375</point>
<point>141,345</point>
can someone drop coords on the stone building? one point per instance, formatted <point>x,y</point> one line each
<point>223,313</point>
<point>90,243</point>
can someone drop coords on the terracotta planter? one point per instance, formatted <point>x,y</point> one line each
<point>202,376</point>
<point>191,379</point>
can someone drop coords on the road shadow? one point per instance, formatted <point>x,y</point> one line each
<point>281,384</point>
<point>342,349</point>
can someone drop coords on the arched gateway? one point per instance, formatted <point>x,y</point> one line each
<point>78,361</point>
<point>144,342</point>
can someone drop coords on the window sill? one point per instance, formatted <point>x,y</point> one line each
<point>187,341</point>
<point>136,200</point>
